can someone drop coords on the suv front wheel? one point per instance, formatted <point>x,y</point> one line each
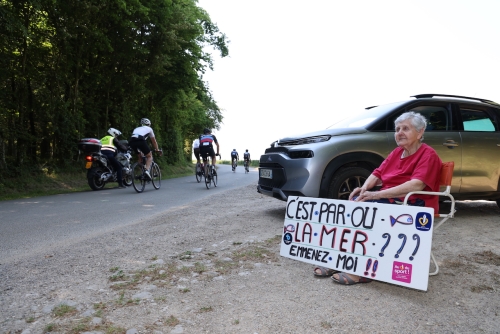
<point>345,180</point>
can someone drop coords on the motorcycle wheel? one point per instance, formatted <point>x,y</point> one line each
<point>94,178</point>
<point>127,178</point>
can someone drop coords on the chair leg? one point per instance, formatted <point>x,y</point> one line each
<point>435,272</point>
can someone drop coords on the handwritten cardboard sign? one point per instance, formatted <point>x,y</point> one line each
<point>385,242</point>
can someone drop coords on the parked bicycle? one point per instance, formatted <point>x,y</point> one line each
<point>210,174</point>
<point>199,171</point>
<point>140,179</point>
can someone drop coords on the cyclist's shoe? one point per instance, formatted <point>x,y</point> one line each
<point>214,171</point>
<point>148,176</point>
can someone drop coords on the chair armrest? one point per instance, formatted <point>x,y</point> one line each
<point>445,193</point>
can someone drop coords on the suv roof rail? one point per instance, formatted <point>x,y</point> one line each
<point>421,96</point>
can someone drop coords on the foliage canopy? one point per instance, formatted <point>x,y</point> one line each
<point>73,68</point>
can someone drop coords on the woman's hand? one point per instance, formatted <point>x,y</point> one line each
<point>355,192</point>
<point>367,196</point>
<point>370,182</point>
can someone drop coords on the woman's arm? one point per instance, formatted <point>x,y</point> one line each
<point>398,191</point>
<point>371,181</point>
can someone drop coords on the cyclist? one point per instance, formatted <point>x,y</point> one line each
<point>109,145</point>
<point>234,157</point>
<point>196,151</point>
<point>206,146</point>
<point>246,158</point>
<point>138,142</point>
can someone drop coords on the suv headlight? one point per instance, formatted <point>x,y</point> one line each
<point>300,154</point>
<point>306,140</point>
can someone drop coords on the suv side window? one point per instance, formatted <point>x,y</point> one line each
<point>476,120</point>
<point>437,117</point>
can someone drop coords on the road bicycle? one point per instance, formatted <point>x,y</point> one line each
<point>210,174</point>
<point>199,172</point>
<point>140,179</point>
<point>245,164</point>
<point>234,164</point>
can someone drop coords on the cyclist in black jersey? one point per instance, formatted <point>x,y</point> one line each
<point>234,157</point>
<point>246,157</point>
<point>206,147</point>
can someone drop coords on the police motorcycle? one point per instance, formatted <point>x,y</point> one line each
<point>99,169</point>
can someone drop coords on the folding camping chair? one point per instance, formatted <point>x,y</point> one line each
<point>445,180</point>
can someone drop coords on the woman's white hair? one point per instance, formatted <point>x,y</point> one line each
<point>418,121</point>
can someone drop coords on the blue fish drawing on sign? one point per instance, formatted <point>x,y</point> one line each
<point>404,219</point>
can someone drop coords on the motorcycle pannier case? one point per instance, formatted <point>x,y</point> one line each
<point>89,145</point>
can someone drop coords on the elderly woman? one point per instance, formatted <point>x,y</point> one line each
<point>412,166</point>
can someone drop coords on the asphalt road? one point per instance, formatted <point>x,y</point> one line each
<point>39,224</point>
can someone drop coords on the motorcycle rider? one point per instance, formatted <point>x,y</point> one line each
<point>110,144</point>
<point>138,143</point>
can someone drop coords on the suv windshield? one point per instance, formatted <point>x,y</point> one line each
<point>363,119</point>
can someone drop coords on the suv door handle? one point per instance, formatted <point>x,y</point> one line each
<point>450,143</point>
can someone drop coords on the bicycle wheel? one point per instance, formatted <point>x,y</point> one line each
<point>246,168</point>
<point>214,179</point>
<point>208,178</point>
<point>156,175</point>
<point>198,173</point>
<point>138,179</point>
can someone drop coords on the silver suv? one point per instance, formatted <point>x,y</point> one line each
<point>332,162</point>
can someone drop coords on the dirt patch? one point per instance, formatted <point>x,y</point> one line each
<point>215,268</point>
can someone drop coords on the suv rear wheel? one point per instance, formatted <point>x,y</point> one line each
<point>345,180</point>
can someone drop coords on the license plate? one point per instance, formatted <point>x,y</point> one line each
<point>266,173</point>
<point>88,164</point>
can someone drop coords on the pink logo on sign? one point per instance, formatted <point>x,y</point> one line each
<point>401,272</point>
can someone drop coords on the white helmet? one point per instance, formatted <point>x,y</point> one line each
<point>114,132</point>
<point>145,121</point>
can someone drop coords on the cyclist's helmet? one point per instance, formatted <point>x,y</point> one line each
<point>145,121</point>
<point>114,132</point>
<point>206,131</point>
<point>234,149</point>
<point>246,150</point>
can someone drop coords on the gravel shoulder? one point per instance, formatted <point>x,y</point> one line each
<point>214,267</point>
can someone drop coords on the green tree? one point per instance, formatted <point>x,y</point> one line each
<point>74,68</point>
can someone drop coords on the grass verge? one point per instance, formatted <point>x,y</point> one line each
<point>253,163</point>
<point>34,183</point>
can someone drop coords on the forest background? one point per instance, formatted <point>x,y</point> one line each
<point>71,69</point>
